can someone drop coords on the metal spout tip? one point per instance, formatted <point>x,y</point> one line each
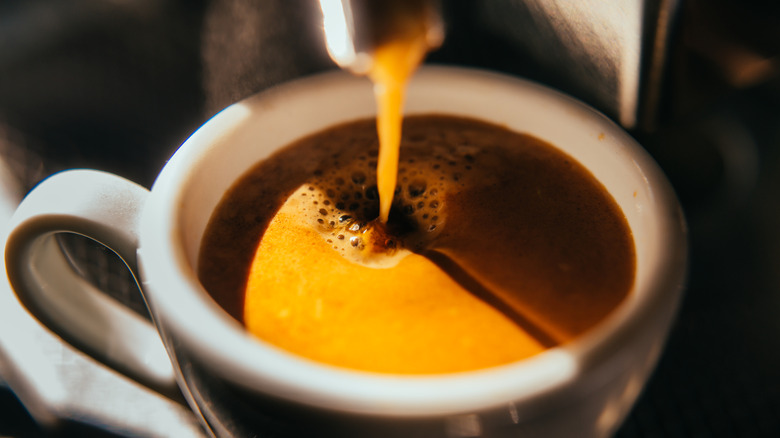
<point>354,28</point>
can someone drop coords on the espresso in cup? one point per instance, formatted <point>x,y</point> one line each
<point>497,247</point>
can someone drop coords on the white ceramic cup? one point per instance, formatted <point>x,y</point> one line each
<point>239,384</point>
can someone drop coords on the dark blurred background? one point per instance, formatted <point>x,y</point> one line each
<point>118,85</point>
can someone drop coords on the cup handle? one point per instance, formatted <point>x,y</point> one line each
<point>105,208</point>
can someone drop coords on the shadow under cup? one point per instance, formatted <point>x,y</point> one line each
<point>583,388</point>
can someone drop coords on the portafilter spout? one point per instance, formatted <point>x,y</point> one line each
<point>355,28</point>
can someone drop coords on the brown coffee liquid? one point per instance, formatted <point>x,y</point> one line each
<point>497,247</point>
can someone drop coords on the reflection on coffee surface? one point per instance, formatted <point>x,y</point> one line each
<point>497,247</point>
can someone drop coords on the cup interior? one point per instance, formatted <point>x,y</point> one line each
<point>193,182</point>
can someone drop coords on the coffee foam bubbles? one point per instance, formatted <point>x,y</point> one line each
<point>341,200</point>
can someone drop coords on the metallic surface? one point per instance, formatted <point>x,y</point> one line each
<point>608,53</point>
<point>354,28</point>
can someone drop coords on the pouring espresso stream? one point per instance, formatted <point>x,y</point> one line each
<point>386,41</point>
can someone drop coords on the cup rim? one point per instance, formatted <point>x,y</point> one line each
<point>215,338</point>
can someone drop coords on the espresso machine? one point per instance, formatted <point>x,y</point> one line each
<point>696,82</point>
